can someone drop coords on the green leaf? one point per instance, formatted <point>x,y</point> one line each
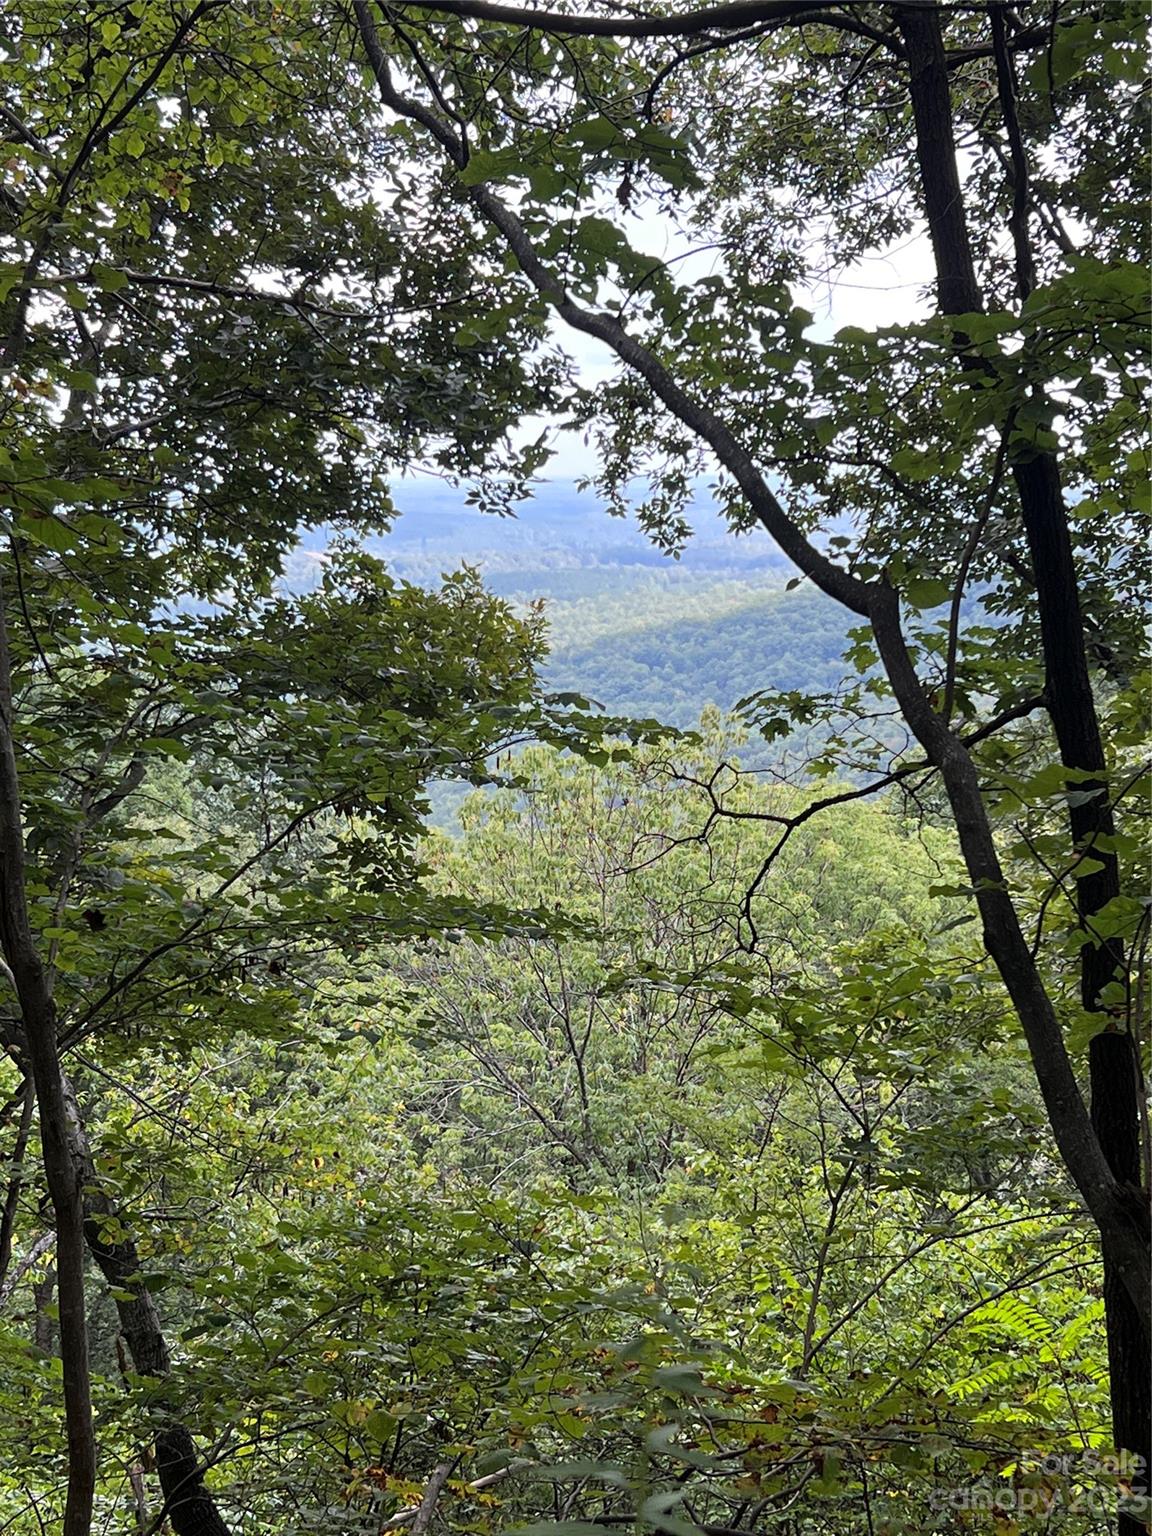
<point>597,133</point>
<point>380,1425</point>
<point>914,464</point>
<point>926,592</point>
<point>685,1379</point>
<point>600,236</point>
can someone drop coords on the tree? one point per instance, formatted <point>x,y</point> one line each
<point>1012,459</point>
<point>319,720</point>
<point>210,327</point>
<point>234,288</point>
<point>599,1032</point>
<point>810,1244</point>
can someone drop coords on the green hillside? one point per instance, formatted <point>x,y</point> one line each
<point>669,652</point>
<point>630,627</point>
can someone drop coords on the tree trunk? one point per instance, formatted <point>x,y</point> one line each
<point>1113,1057</point>
<point>15,1181</point>
<point>42,1330</point>
<point>189,1506</point>
<point>1114,1069</point>
<point>35,1046</point>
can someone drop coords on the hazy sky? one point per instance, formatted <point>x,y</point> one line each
<point>882,289</point>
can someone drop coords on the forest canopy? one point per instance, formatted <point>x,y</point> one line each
<point>736,1125</point>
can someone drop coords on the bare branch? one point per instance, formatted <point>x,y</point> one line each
<point>43,1244</point>
<point>408,1516</point>
<point>970,548</point>
<point>21,129</point>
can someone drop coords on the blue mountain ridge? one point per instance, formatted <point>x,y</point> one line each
<point>637,630</point>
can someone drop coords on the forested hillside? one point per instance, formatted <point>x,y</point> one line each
<point>560,1206</point>
<point>668,651</point>
<point>736,1124</point>
<point>630,626</point>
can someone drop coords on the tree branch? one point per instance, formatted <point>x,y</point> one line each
<point>829,577</point>
<point>709,18</point>
<point>63,1177</point>
<point>408,1516</point>
<point>15,1181</point>
<point>39,1248</point>
<point>1006,88</point>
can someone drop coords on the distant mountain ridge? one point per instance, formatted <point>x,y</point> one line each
<point>637,630</point>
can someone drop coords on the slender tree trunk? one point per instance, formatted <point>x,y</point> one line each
<point>41,1301</point>
<point>1114,1068</point>
<point>15,1182</point>
<point>37,1045</point>
<point>77,1201</point>
<point>189,1505</point>
<point>1113,1057</point>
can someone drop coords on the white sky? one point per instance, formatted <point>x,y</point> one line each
<point>884,288</point>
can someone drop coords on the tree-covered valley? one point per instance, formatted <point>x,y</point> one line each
<point>639,633</point>
<point>539,1001</point>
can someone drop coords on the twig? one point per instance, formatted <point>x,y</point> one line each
<point>37,1251</point>
<point>966,559</point>
<point>477,1485</point>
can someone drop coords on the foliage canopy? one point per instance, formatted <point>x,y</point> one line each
<point>641,1156</point>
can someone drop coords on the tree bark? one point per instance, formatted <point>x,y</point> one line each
<point>1113,1056</point>
<point>36,1045</point>
<point>956,288</point>
<point>1115,1069</point>
<point>1114,1065</point>
<point>42,1322</point>
<point>15,1182</point>
<point>189,1506</point>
